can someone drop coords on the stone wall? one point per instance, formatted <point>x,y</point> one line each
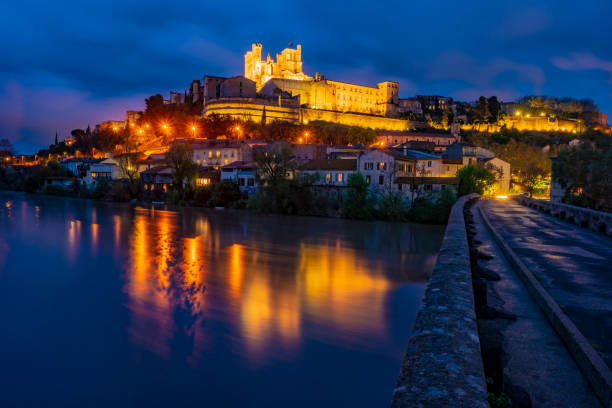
<point>355,119</point>
<point>443,364</point>
<point>597,221</point>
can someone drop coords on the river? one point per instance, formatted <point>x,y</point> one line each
<point>114,305</point>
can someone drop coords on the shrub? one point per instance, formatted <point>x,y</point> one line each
<point>202,195</point>
<point>358,202</point>
<point>434,211</point>
<point>224,193</point>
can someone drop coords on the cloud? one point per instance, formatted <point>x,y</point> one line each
<point>524,22</point>
<point>582,61</point>
<point>458,66</point>
<point>30,115</point>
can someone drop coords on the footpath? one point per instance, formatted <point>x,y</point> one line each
<point>538,370</point>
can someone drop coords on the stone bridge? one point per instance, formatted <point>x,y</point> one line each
<point>598,221</point>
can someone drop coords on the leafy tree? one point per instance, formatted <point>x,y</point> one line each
<point>584,171</point>
<point>494,108</point>
<point>392,206</point>
<point>480,112</point>
<point>154,105</point>
<point>474,179</point>
<point>358,203</point>
<point>126,158</point>
<point>180,158</point>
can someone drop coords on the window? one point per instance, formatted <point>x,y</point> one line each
<point>399,186</point>
<point>381,180</point>
<point>210,154</point>
<point>365,166</point>
<point>251,182</point>
<point>327,177</point>
<point>429,163</point>
<point>241,181</point>
<point>428,187</point>
<point>368,180</point>
<point>371,166</point>
<point>340,177</point>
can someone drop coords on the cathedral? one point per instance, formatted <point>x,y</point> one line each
<point>285,76</point>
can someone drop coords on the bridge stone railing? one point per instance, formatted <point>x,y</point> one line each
<point>598,221</point>
<point>443,364</point>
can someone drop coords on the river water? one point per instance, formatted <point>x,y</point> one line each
<point>112,305</point>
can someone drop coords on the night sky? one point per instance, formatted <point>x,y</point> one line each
<point>67,64</point>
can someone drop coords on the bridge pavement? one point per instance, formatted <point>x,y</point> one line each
<point>573,264</point>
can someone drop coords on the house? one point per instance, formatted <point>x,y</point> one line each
<point>465,152</point>
<point>308,152</point>
<point>150,161</point>
<point>440,140</point>
<point>501,169</point>
<point>425,164</point>
<point>242,173</point>
<point>380,167</point>
<point>329,172</point>
<point>450,167</point>
<point>104,169</point>
<point>218,152</point>
<point>416,187</point>
<point>344,152</point>
<point>157,178</point>
<point>206,176</point>
<point>79,166</point>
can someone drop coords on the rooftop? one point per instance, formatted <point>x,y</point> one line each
<point>331,164</point>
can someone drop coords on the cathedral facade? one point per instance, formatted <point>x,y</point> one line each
<point>286,77</point>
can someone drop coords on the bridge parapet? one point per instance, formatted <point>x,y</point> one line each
<point>443,364</point>
<point>598,221</point>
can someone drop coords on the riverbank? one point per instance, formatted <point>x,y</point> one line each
<point>228,196</point>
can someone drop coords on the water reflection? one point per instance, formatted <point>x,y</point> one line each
<point>266,291</point>
<point>210,299</point>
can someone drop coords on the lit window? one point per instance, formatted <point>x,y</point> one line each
<point>327,177</point>
<point>340,177</point>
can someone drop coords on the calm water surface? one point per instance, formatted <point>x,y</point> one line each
<point>108,305</point>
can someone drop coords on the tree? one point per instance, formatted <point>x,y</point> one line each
<point>6,146</point>
<point>494,108</point>
<point>358,203</point>
<point>480,112</point>
<point>584,171</point>
<point>474,179</point>
<point>154,105</point>
<point>126,159</point>
<point>180,158</point>
<point>273,165</point>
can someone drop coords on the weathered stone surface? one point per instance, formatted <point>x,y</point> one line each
<point>443,365</point>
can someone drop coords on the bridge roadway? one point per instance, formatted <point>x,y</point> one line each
<point>572,263</point>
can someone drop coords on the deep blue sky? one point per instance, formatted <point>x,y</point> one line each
<point>67,64</point>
